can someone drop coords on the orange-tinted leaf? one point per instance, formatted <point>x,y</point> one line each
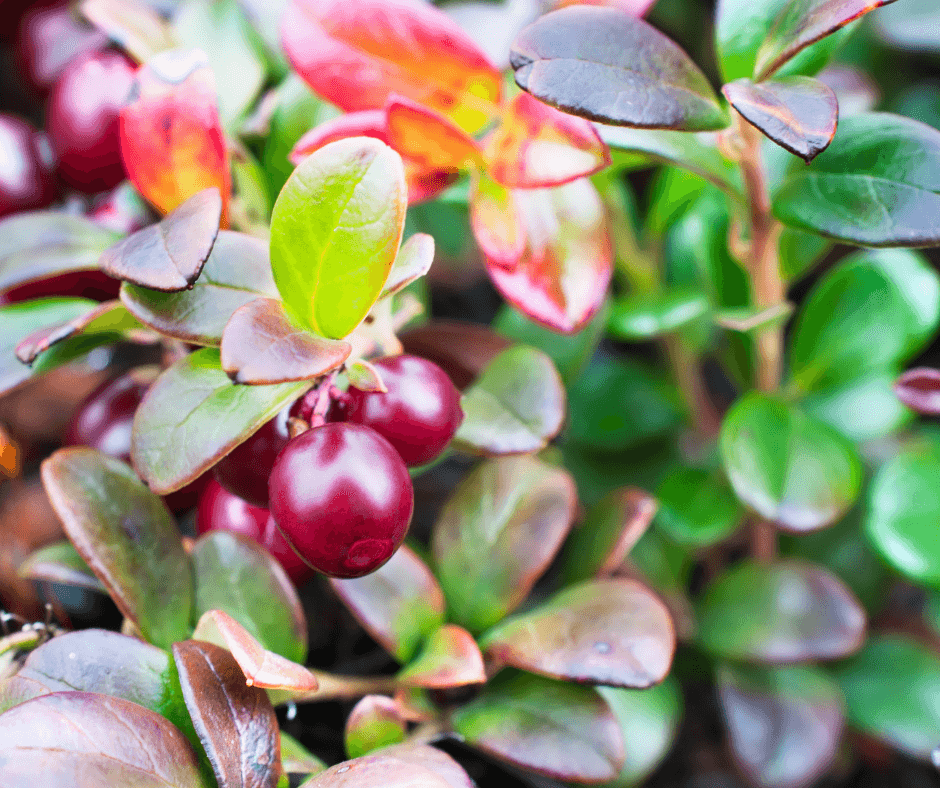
<point>358,53</point>
<point>497,223</point>
<point>450,658</point>
<point>536,145</point>
<point>172,141</point>
<point>428,138</point>
<point>562,277</point>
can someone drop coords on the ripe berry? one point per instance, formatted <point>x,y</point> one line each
<point>342,497</point>
<point>274,542</point>
<point>418,415</point>
<point>82,119</point>
<point>26,180</point>
<point>81,284</point>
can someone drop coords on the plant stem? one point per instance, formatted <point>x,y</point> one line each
<point>336,687</point>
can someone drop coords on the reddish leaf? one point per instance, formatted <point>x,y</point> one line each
<point>235,722</point>
<point>632,7</point>
<point>386,769</point>
<point>413,261</point>
<point>84,739</point>
<point>375,722</point>
<point>920,389</point>
<point>562,277</point>
<point>169,256</point>
<point>431,758</point>
<point>260,345</point>
<point>358,53</point>
<point>430,140</point>
<point>536,145</point>
<point>398,605</point>
<point>60,563</point>
<point>462,349</point>
<point>172,141</point>
<point>450,658</point>
<point>798,113</point>
<point>804,22</point>
<point>497,223</point>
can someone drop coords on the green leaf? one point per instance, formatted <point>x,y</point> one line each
<point>413,261</point>
<point>910,26</point>
<point>878,184</point>
<point>890,690</point>
<point>449,658</point>
<point>60,563</point>
<point>781,613</point>
<point>335,232</point>
<point>297,759</point>
<point>375,722</point>
<point>863,409</point>
<point>236,576</point>
<point>497,533</point>
<point>193,415</point>
<point>126,535</point>
<point>643,316</point>
<point>697,508</point>
<point>788,467</point>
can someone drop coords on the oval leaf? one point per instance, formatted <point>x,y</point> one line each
<point>497,222</point>
<point>260,345</point>
<point>643,316</point>
<point>126,535</point>
<point>60,563</point>
<point>449,658</point>
<point>383,769</point>
<point>603,64</point>
<point>429,139</point>
<point>697,508</point>
<point>413,261</point>
<point>375,722</point>
<point>920,389</point>
<point>335,232</point>
<point>784,613</point>
<point>193,415</point>
<point>235,722</point>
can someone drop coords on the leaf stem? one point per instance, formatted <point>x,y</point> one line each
<point>337,687</point>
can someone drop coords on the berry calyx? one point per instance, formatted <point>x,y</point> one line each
<point>342,497</point>
<point>419,413</point>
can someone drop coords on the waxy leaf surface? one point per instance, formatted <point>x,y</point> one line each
<point>697,508</point>
<point>386,769</point>
<point>335,232</point>
<point>782,613</point>
<point>375,722</point>
<point>497,534</point>
<point>450,657</point>
<point>413,261</point>
<point>127,536</point>
<point>194,415</point>
<point>605,65</point>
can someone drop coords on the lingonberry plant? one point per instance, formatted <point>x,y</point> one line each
<point>241,257</point>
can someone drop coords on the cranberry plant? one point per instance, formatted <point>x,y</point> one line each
<point>281,183</point>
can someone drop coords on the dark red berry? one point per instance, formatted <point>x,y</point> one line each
<point>83,120</point>
<point>274,542</point>
<point>80,284</point>
<point>219,510</point>
<point>244,472</point>
<point>418,415</point>
<point>342,497</point>
<point>26,179</point>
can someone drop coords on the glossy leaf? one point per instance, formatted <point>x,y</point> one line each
<point>375,722</point>
<point>236,272</point>
<point>335,232</point>
<point>297,759</point>
<point>605,65</point>
<point>399,605</point>
<point>39,244</point>
<point>919,389</point>
<point>358,53</point>
<point>537,146</point>
<point>889,687</point>
<point>235,575</point>
<point>550,727</point>
<point>497,222</point>
<point>804,22</point>
<point>910,26</point>
<point>516,406</point>
<point>461,348</point>
<point>697,508</point>
<point>172,141</point>
<point>862,409</point>
<point>133,25</point>
<point>79,738</point>
<point>599,545</point>
<point>413,261</point>
<point>798,113</point>
<point>784,725</point>
<point>261,345</point>
<point>496,535</point>
<point>385,768</point>
<point>193,415</point>
<point>878,184</point>
<point>788,467</point>
<point>782,613</point>
<point>449,658</point>
<point>562,277</point>
<point>126,535</point>
<point>235,722</point>
<point>643,316</point>
<point>60,563</point>
<point>429,139</point>
<point>613,632</point>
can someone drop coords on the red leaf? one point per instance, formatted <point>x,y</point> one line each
<point>429,139</point>
<point>172,141</point>
<point>536,145</point>
<point>496,223</point>
<point>632,7</point>
<point>562,277</point>
<point>358,53</point>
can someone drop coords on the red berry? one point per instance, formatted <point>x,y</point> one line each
<point>83,120</point>
<point>274,542</point>
<point>219,510</point>
<point>342,497</point>
<point>81,284</point>
<point>418,415</point>
<point>26,180</point>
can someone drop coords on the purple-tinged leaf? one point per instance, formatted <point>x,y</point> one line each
<point>127,537</point>
<point>375,722</point>
<point>385,769</point>
<point>260,345</point>
<point>60,563</point>
<point>462,349</point>
<point>235,722</point>
<point>413,261</point>
<point>605,65</point>
<point>798,113</point>
<point>450,657</point>
<point>919,389</point>
<point>431,758</point>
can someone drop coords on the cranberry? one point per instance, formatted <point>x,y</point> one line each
<point>274,542</point>
<point>418,415</point>
<point>342,497</point>
<point>83,120</point>
<point>244,472</point>
<point>26,180</point>
<point>80,284</point>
